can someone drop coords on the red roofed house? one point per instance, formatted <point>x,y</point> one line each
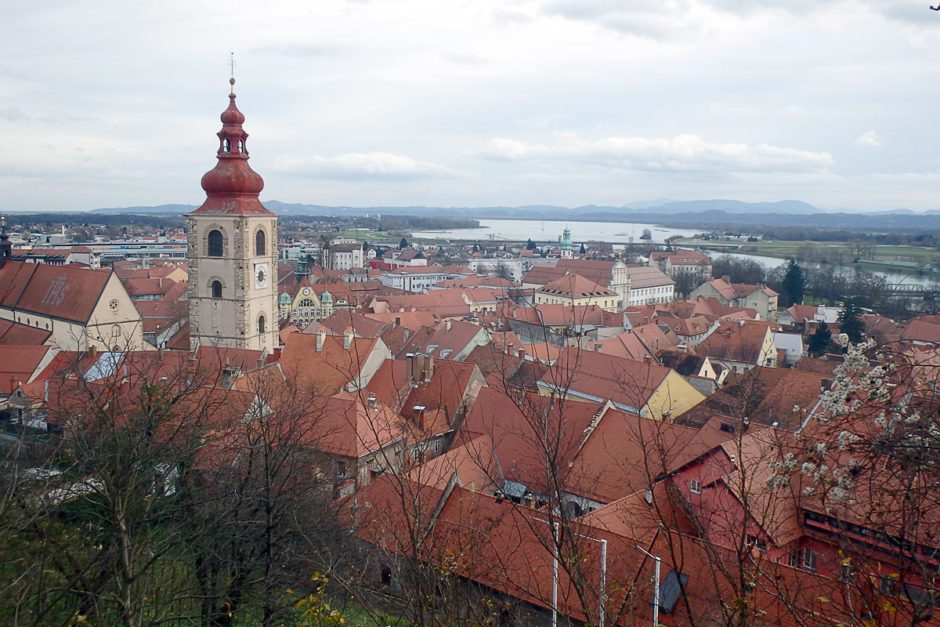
<point>609,274</point>
<point>638,387</point>
<point>758,297</point>
<point>739,345</point>
<point>574,290</point>
<point>81,308</point>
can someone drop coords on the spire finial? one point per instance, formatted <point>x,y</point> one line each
<point>231,65</point>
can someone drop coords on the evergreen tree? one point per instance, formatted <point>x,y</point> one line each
<point>403,244</point>
<point>819,341</point>
<point>849,321</point>
<point>530,245</point>
<point>794,284</point>
<point>583,250</point>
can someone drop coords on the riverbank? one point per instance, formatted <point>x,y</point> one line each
<point>911,259</point>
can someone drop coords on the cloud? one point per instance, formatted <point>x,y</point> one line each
<point>362,165</point>
<point>869,139</point>
<point>661,18</point>
<point>13,114</point>
<point>644,18</point>
<point>679,154</point>
<point>302,50</point>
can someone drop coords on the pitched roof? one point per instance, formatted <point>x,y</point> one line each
<point>362,325</point>
<point>768,396</point>
<point>740,341</point>
<point>575,286</point>
<point>351,426</point>
<point>524,429</point>
<point>64,292</point>
<point>16,333</point>
<point>624,453</point>
<point>330,369</point>
<point>444,340</point>
<point>441,303</point>
<point>18,364</point>
<point>602,377</point>
<point>642,277</point>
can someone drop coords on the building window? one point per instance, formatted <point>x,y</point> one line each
<point>217,289</point>
<point>241,146</point>
<point>227,145</point>
<point>888,585</point>
<point>261,324</point>
<point>809,558</point>
<point>215,242</point>
<point>695,486</point>
<point>259,243</point>
<point>341,470</point>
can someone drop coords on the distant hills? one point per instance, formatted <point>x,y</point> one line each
<point>705,214</point>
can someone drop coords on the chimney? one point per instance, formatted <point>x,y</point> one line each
<point>824,385</point>
<point>598,347</point>
<point>740,322</point>
<point>429,368</point>
<point>509,346</point>
<point>397,321</point>
<point>373,402</point>
<point>321,339</point>
<point>347,338</point>
<point>521,354</point>
<point>419,411</point>
<point>447,324</point>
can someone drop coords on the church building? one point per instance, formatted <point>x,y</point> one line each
<point>233,251</point>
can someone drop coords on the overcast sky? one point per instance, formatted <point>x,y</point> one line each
<point>440,102</point>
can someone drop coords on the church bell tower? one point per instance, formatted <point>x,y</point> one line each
<point>232,250</point>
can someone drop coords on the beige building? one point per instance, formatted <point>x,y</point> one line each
<point>79,308</point>
<point>233,251</point>
<point>576,291</point>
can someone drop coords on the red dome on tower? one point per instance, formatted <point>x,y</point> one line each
<point>232,187</point>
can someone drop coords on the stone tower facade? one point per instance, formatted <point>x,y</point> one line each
<point>233,251</point>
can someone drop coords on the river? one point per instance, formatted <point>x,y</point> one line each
<point>769,263</point>
<point>546,231</point>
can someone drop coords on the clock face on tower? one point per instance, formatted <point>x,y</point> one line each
<point>261,275</point>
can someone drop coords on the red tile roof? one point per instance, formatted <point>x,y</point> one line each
<point>734,341</point>
<point>602,377</point>
<point>16,333</point>
<point>575,286</point>
<point>63,292</point>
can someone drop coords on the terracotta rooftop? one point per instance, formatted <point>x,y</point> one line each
<point>575,286</point>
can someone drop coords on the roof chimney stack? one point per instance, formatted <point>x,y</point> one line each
<point>347,338</point>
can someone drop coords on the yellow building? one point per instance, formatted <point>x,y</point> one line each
<point>576,291</point>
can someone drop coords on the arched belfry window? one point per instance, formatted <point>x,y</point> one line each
<point>216,243</point>
<point>259,243</point>
<point>261,324</point>
<point>241,146</point>
<point>216,289</point>
<point>227,145</point>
